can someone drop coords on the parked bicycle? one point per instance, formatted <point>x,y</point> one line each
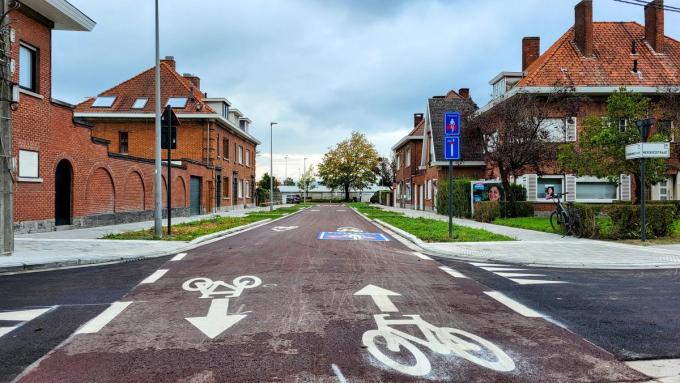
<point>565,220</point>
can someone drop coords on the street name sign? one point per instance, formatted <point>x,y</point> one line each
<point>648,150</point>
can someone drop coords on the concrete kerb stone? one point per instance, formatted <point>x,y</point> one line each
<point>75,263</point>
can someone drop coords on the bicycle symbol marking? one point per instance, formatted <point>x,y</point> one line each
<point>441,340</point>
<point>209,288</point>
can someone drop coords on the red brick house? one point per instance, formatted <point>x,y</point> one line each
<point>420,154</point>
<point>212,135</point>
<point>596,59</point>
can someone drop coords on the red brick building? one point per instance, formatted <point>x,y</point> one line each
<point>68,175</point>
<point>595,59</point>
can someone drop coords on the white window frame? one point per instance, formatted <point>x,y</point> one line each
<point>240,188</point>
<point>135,104</point>
<point>29,164</point>
<point>177,106</point>
<point>35,71</point>
<point>104,99</point>
<point>240,154</point>
<point>247,189</point>
<point>247,158</point>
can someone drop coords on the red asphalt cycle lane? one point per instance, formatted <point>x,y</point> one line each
<point>277,304</point>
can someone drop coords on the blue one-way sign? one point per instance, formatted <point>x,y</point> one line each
<point>452,148</point>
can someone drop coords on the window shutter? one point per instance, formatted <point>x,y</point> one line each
<point>570,188</point>
<point>570,129</point>
<point>624,188</point>
<point>531,185</point>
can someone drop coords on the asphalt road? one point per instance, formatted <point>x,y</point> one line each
<point>279,304</point>
<point>70,297</point>
<point>631,313</point>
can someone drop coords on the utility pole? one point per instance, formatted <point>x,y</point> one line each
<point>285,177</point>
<point>158,187</point>
<point>271,165</point>
<point>304,179</point>
<point>6,157</point>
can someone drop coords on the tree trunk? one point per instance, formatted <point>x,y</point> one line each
<point>509,195</point>
<point>347,193</point>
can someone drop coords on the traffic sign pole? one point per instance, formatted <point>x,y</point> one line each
<point>450,199</point>
<point>169,198</point>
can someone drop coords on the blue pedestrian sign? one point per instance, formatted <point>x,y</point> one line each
<point>452,124</point>
<point>452,148</point>
<point>345,236</point>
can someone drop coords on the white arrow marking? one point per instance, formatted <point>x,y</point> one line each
<point>217,321</point>
<point>381,297</point>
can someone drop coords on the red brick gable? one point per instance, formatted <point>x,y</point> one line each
<point>144,85</point>
<point>418,130</point>
<point>612,64</point>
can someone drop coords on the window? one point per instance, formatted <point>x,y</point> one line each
<point>225,187</point>
<point>407,196</point>
<point>28,164</point>
<point>225,148</point>
<point>595,190</point>
<point>247,189</point>
<point>28,72</point>
<point>247,157</point>
<point>543,186</point>
<point>140,103</point>
<point>177,102</point>
<point>663,190</point>
<point>555,128</point>
<point>240,188</point>
<point>242,125</point>
<point>225,110</point>
<point>104,102</point>
<point>123,142</point>
<point>623,124</point>
<point>398,161</point>
<point>407,161</point>
<point>240,154</point>
<point>665,127</point>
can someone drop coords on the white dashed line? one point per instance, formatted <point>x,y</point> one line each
<point>154,277</point>
<point>23,315</point>
<point>514,275</point>
<point>7,330</point>
<point>513,304</point>
<point>533,281</point>
<point>342,211</point>
<point>338,373</point>
<point>97,323</point>
<point>484,264</point>
<point>452,272</point>
<point>501,269</point>
<point>421,256</point>
<point>179,257</point>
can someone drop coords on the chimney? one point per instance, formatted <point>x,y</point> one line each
<point>583,27</point>
<point>194,80</point>
<point>531,49</point>
<point>417,117</point>
<point>654,29</point>
<point>170,60</point>
<point>464,93</point>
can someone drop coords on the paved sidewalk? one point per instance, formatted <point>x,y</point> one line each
<point>544,249</point>
<point>83,246</point>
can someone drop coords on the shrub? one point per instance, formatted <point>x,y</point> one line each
<point>626,220</point>
<point>520,209</point>
<point>587,214</point>
<point>375,198</point>
<point>519,191</point>
<point>385,197</point>
<point>676,205</point>
<point>461,197</point>
<point>487,211</point>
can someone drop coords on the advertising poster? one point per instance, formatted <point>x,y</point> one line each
<point>487,191</point>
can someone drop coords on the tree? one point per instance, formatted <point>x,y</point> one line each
<point>350,164</point>
<point>288,182</point>
<point>516,136</point>
<point>264,183</point>
<point>601,148</point>
<point>307,180</point>
<point>387,171</point>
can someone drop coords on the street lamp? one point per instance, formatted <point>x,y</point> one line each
<point>304,175</point>
<point>285,174</point>
<point>271,165</point>
<point>643,126</point>
<point>158,197</point>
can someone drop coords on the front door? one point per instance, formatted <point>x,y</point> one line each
<point>218,190</point>
<point>234,189</point>
<point>195,202</point>
<point>62,193</point>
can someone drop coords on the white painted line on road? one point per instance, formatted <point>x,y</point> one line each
<point>23,315</point>
<point>452,272</point>
<point>341,210</point>
<point>421,256</point>
<point>97,323</point>
<point>338,373</point>
<point>154,277</point>
<point>501,269</point>
<point>315,210</point>
<point>533,281</point>
<point>179,257</point>
<point>513,275</point>
<point>486,264</point>
<point>513,304</point>
<point>7,330</point>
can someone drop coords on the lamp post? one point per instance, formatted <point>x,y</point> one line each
<point>271,165</point>
<point>643,126</point>
<point>285,174</point>
<point>158,202</point>
<point>304,179</point>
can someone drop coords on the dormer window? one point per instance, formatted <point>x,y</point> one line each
<point>140,103</point>
<point>104,102</point>
<point>177,102</point>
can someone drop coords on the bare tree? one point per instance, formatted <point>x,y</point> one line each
<point>387,170</point>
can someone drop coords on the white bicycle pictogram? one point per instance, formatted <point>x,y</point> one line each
<point>442,340</point>
<point>212,289</point>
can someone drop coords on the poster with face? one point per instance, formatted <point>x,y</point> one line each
<point>487,191</point>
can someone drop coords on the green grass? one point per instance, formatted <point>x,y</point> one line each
<point>428,230</point>
<point>191,230</point>
<point>530,223</point>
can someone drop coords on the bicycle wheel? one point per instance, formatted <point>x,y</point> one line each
<point>247,281</point>
<point>196,284</point>
<point>576,226</point>
<point>476,349</point>
<point>394,343</point>
<point>557,222</point>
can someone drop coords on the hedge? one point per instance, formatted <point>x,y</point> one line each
<point>461,197</point>
<point>487,211</point>
<point>587,213</point>
<point>520,209</point>
<point>626,220</point>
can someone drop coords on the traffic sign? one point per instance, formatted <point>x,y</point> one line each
<point>170,121</point>
<point>452,148</point>
<point>452,124</point>
<point>648,150</point>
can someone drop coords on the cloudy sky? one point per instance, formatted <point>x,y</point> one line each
<point>320,68</point>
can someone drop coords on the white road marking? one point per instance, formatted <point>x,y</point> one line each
<point>533,281</point>
<point>23,315</point>
<point>284,228</point>
<point>7,330</point>
<point>217,320</point>
<point>421,256</point>
<point>154,277</point>
<point>381,297</point>
<point>501,269</point>
<point>342,211</point>
<point>513,275</point>
<point>513,304</point>
<point>338,373</point>
<point>452,272</point>
<point>485,264</point>
<point>179,257</point>
<point>315,210</point>
<point>97,323</point>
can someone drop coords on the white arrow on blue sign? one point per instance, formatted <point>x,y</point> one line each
<point>452,148</point>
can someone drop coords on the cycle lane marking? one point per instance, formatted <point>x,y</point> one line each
<point>22,316</point>
<point>503,271</point>
<point>422,256</point>
<point>179,257</point>
<point>156,275</point>
<point>97,323</point>
<point>514,305</point>
<point>381,297</point>
<point>338,373</point>
<point>452,272</point>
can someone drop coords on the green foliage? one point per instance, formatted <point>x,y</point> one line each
<point>587,215</point>
<point>351,164</point>
<point>288,182</point>
<point>487,211</point>
<point>375,198</point>
<point>461,197</point>
<point>626,220</point>
<point>264,183</point>
<point>518,209</point>
<point>519,191</point>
